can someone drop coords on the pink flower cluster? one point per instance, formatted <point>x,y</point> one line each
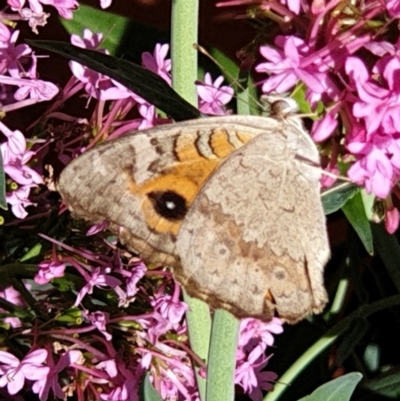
<point>18,70</point>
<point>15,158</point>
<point>33,12</point>
<point>153,340</point>
<point>14,372</point>
<point>254,338</point>
<point>361,103</point>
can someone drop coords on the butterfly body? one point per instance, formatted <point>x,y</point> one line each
<point>232,203</point>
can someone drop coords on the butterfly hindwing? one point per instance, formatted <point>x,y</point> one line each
<point>254,241</point>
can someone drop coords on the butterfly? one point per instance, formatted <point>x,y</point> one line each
<point>231,203</point>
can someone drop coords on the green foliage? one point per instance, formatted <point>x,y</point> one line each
<point>148,391</point>
<point>356,215</point>
<point>339,389</point>
<point>140,80</point>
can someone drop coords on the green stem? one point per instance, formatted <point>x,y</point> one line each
<point>222,357</point>
<point>184,74</point>
<point>185,15</point>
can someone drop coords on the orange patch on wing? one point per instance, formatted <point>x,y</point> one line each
<point>220,145</point>
<point>185,177</point>
<point>185,148</point>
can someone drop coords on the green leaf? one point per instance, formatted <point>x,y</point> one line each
<point>222,357</point>
<point>243,102</point>
<point>149,393</point>
<point>3,203</point>
<point>339,389</point>
<point>355,213</point>
<point>386,385</point>
<point>228,67</point>
<point>111,25</point>
<point>299,95</point>
<point>246,95</point>
<point>143,82</point>
<point>368,202</point>
<point>335,197</point>
<point>33,252</point>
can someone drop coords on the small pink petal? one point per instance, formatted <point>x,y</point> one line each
<point>324,128</point>
<point>392,219</point>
